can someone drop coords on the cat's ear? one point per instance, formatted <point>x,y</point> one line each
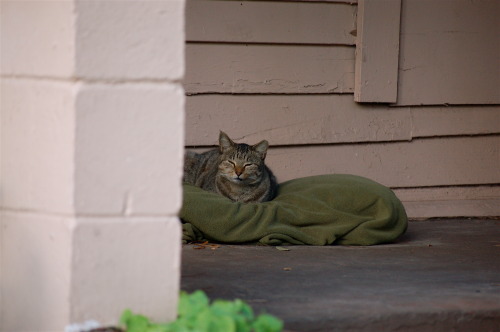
<point>261,149</point>
<point>224,142</point>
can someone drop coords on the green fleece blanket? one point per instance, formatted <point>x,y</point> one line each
<point>317,210</point>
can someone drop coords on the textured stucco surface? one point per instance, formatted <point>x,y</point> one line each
<point>92,127</point>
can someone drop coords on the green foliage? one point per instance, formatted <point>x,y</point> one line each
<point>196,314</point>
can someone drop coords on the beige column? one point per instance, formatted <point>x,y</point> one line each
<point>92,126</point>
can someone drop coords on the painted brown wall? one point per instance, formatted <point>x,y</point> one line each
<point>284,71</point>
<point>450,52</point>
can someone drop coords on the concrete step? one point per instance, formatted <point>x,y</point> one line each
<point>443,275</point>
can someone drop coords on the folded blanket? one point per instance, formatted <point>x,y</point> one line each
<point>317,210</point>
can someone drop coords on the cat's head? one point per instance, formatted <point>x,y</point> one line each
<point>241,163</point>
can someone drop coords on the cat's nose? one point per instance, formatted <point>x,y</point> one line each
<point>238,171</point>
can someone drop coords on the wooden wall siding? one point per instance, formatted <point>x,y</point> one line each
<point>239,68</point>
<point>292,120</point>
<point>449,161</point>
<point>270,22</point>
<point>450,201</point>
<point>283,71</point>
<point>449,52</point>
<point>421,164</point>
<point>377,51</point>
<point>336,1</point>
<point>326,119</point>
<point>455,120</point>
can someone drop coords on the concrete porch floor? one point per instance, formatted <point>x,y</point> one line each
<point>442,275</point>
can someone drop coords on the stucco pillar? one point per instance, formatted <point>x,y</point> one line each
<point>92,125</point>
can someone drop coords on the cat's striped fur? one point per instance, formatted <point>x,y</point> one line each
<point>236,171</point>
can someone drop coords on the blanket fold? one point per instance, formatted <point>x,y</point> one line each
<point>317,210</point>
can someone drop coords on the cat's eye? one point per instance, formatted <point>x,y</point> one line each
<point>250,164</point>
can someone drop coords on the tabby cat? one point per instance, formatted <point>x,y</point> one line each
<point>236,171</point>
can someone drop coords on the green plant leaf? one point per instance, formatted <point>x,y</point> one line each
<point>239,311</point>
<point>223,307</point>
<point>191,305</point>
<point>242,324</point>
<point>267,323</point>
<point>134,322</point>
<point>210,321</point>
<point>180,325</point>
<point>196,314</point>
<point>159,328</point>
<point>125,317</point>
<point>244,309</point>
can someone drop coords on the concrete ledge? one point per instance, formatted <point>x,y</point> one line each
<point>441,276</point>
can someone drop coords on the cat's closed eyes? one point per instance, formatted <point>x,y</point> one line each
<point>236,171</point>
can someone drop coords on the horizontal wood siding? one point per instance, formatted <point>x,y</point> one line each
<point>292,120</point>
<point>422,162</point>
<point>469,201</point>
<point>284,71</point>
<point>326,119</point>
<point>336,1</point>
<point>270,22</point>
<point>449,53</point>
<point>455,120</point>
<point>238,68</point>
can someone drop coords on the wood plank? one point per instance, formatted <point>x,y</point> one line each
<point>323,119</point>
<point>452,161</point>
<point>449,52</point>
<point>270,22</point>
<point>297,119</point>
<point>377,51</point>
<point>423,162</point>
<point>481,201</point>
<point>237,68</point>
<point>455,120</point>
<point>337,1</point>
